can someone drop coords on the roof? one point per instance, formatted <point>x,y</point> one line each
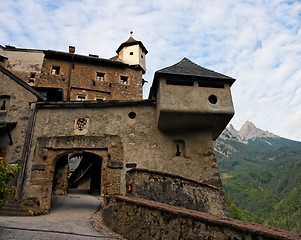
<point>22,83</point>
<point>188,69</point>
<point>13,48</point>
<point>67,55</point>
<point>92,58</point>
<point>130,42</point>
<point>96,104</point>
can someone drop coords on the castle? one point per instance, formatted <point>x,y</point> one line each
<point>79,122</point>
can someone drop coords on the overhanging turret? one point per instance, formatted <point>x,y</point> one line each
<point>190,97</point>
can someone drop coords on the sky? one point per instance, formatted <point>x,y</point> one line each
<point>256,42</point>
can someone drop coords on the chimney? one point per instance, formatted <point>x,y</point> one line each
<point>71,49</point>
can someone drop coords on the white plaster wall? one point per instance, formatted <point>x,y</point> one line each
<point>26,61</point>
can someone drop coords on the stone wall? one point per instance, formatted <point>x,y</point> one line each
<point>148,220</point>
<point>83,80</point>
<point>77,74</point>
<point>17,110</point>
<point>141,141</point>
<point>176,190</point>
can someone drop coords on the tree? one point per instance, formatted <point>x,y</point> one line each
<point>234,211</point>
<point>7,172</point>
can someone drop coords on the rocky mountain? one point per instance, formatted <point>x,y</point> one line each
<point>247,132</point>
<point>250,131</point>
<point>261,172</point>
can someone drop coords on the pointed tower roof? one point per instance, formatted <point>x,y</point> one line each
<point>130,42</point>
<point>185,70</point>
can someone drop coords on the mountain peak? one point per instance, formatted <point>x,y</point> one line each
<point>224,144</point>
<point>250,131</point>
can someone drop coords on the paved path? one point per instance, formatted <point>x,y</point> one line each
<point>70,218</point>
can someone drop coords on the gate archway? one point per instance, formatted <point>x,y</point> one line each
<point>49,160</point>
<point>80,171</point>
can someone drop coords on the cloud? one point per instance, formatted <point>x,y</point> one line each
<point>257,42</point>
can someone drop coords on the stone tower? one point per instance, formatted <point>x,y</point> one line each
<point>203,98</point>
<point>133,53</point>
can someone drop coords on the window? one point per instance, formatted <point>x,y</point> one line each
<point>131,53</point>
<point>3,105</point>
<point>100,76</point>
<point>32,75</point>
<point>212,99</point>
<point>132,115</point>
<point>141,56</point>
<point>31,78</point>
<point>179,148</point>
<point>4,99</point>
<point>55,70</point>
<point>80,97</point>
<point>97,98</point>
<point>2,58</point>
<point>211,85</point>
<point>179,83</point>
<point>124,80</point>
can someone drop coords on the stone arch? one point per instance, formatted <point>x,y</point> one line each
<point>49,150</point>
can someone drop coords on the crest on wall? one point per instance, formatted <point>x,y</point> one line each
<point>81,126</point>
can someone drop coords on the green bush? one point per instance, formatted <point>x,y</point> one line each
<point>7,172</point>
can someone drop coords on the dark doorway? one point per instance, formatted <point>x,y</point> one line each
<point>80,172</point>
<point>87,174</point>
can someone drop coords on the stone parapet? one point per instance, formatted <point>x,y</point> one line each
<point>176,190</point>
<point>143,219</point>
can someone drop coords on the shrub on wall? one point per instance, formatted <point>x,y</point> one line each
<point>7,172</point>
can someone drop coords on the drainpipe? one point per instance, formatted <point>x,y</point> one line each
<point>26,151</point>
<point>71,51</point>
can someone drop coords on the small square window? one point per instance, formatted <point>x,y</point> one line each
<point>32,75</point>
<point>55,70</point>
<point>80,97</point>
<point>131,53</point>
<point>2,59</point>
<point>100,76</point>
<point>141,56</point>
<point>124,80</point>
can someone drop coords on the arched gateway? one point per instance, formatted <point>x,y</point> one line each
<point>52,171</point>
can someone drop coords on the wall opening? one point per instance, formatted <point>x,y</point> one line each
<point>212,99</point>
<point>180,83</point>
<point>132,115</point>
<point>124,80</point>
<point>210,85</point>
<point>4,99</point>
<point>55,70</point>
<point>179,146</point>
<point>78,171</point>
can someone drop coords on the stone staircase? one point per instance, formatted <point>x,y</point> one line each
<point>13,208</point>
